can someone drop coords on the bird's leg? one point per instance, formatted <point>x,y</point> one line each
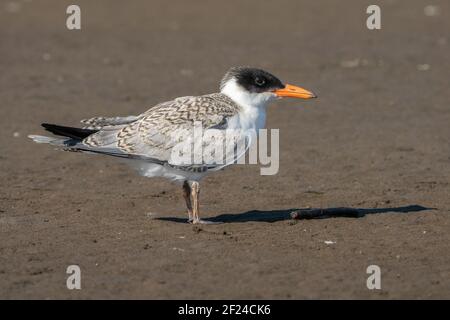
<point>195,187</point>
<point>187,197</point>
<point>195,199</point>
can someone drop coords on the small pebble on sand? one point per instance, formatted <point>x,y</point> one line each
<point>46,56</point>
<point>186,72</point>
<point>442,41</point>
<point>431,10</point>
<point>354,63</point>
<point>423,67</point>
<point>13,7</point>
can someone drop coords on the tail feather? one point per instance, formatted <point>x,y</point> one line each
<point>70,132</point>
<point>73,141</point>
<point>44,139</point>
<point>65,143</point>
<point>76,145</point>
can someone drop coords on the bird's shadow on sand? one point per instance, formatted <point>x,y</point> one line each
<point>288,214</point>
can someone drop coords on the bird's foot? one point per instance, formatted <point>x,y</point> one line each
<point>200,221</point>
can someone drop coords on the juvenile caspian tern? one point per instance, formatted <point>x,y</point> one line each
<point>148,140</point>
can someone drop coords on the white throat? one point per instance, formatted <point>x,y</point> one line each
<point>253,114</point>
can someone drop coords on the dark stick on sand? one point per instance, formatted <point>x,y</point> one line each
<point>351,212</point>
<point>326,213</point>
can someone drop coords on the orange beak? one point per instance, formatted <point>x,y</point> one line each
<point>294,92</point>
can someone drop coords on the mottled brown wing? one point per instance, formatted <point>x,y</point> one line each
<point>158,130</point>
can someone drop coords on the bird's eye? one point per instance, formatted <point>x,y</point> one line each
<point>260,81</point>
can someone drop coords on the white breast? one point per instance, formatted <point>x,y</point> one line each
<point>248,118</point>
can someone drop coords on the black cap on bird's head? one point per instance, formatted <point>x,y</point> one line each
<point>252,79</point>
<point>256,80</point>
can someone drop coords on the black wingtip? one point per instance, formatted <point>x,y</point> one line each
<point>70,132</point>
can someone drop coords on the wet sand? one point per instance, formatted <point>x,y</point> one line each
<point>377,139</point>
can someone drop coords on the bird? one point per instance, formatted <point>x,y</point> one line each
<point>147,141</point>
